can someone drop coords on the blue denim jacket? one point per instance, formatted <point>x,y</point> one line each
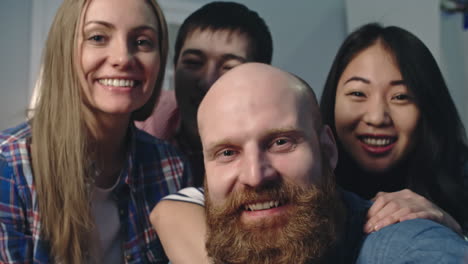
<point>412,241</point>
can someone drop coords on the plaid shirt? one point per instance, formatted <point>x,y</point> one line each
<point>154,169</point>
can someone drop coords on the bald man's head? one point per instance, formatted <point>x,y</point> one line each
<point>257,80</point>
<point>268,163</point>
<point>255,103</point>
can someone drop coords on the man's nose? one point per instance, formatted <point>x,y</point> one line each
<point>210,76</point>
<point>257,169</point>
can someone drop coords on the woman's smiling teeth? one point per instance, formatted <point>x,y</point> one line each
<point>117,82</point>
<point>378,142</point>
<point>261,206</point>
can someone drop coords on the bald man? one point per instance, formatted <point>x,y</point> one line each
<point>270,193</point>
<point>270,190</point>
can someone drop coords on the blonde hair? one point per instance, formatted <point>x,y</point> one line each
<point>61,135</point>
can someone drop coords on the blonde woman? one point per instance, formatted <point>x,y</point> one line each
<point>78,181</point>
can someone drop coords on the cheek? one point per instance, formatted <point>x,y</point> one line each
<point>343,123</point>
<point>217,184</point>
<point>184,85</point>
<point>185,78</point>
<point>301,167</point>
<point>152,67</point>
<point>342,113</point>
<point>87,61</point>
<point>406,120</point>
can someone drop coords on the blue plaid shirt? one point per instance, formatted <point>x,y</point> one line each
<point>154,169</point>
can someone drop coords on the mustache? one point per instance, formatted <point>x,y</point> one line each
<point>285,193</point>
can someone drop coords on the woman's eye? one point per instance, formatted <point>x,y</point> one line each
<point>97,38</point>
<point>401,97</point>
<point>357,94</point>
<point>144,42</point>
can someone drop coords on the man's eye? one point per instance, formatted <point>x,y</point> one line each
<point>230,65</point>
<point>282,145</point>
<point>192,62</point>
<point>228,153</point>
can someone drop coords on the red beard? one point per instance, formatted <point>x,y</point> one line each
<point>304,234</point>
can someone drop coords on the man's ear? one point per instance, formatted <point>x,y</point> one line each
<point>328,143</point>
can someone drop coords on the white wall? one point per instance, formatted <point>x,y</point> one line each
<point>306,35</point>
<point>15,37</point>
<point>454,60</point>
<point>421,17</point>
<point>42,14</point>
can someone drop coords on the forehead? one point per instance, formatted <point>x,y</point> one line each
<point>120,12</point>
<point>217,41</point>
<point>253,112</point>
<point>376,61</point>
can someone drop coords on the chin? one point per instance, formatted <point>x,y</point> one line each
<point>377,167</point>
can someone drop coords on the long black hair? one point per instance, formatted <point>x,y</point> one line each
<point>435,167</point>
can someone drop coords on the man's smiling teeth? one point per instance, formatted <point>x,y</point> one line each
<point>377,141</point>
<point>117,82</point>
<point>262,206</point>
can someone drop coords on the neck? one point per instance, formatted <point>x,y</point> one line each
<point>110,146</point>
<point>366,183</point>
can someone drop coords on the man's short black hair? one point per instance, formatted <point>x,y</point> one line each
<point>232,17</point>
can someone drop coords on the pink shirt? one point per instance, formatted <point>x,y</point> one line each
<point>165,119</point>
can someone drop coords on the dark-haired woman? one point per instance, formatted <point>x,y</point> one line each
<point>397,129</point>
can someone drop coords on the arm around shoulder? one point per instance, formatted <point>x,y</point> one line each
<point>414,241</point>
<point>181,227</point>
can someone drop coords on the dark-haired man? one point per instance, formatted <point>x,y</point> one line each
<point>212,40</point>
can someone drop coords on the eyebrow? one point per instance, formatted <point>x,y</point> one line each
<point>103,23</point>
<point>366,81</point>
<point>398,82</point>
<point>192,52</point>
<point>231,56</point>
<point>358,79</point>
<point>225,57</point>
<point>109,25</point>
